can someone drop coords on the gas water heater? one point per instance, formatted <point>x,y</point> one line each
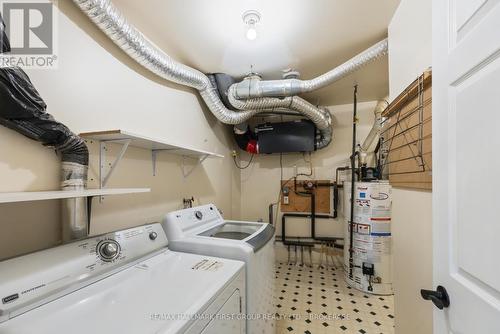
<point>371,269</point>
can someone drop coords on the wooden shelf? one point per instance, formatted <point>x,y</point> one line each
<point>149,143</point>
<point>11,197</point>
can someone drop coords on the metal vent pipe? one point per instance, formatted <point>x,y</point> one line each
<point>255,88</point>
<point>24,111</point>
<point>377,125</point>
<point>374,131</point>
<point>107,17</point>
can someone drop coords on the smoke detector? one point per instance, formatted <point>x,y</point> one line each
<point>251,18</point>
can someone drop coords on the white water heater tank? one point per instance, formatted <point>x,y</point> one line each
<point>372,242</point>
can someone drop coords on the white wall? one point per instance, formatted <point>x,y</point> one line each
<point>410,33</point>
<point>410,44</point>
<point>97,87</point>
<point>260,183</point>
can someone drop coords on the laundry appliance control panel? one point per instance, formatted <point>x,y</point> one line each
<point>195,217</point>
<point>34,279</point>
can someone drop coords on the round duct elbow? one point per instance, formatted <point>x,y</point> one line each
<point>109,19</point>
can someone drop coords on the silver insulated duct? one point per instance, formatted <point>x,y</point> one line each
<point>106,16</point>
<point>279,88</point>
<point>24,111</point>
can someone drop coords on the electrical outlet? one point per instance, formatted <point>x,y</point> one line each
<point>286,200</point>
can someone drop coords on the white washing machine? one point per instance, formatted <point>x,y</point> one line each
<point>121,282</point>
<point>203,230</point>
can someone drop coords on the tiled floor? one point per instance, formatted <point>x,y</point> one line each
<point>312,301</point>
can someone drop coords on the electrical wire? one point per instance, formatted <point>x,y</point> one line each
<point>241,167</point>
<point>310,166</point>
<point>278,201</point>
<point>281,166</point>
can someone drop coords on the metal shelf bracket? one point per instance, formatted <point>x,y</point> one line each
<point>187,172</point>
<point>103,175</point>
<point>154,156</point>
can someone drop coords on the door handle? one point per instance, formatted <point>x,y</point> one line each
<point>439,297</point>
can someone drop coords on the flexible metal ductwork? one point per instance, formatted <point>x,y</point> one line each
<point>377,125</point>
<point>374,131</point>
<point>23,110</point>
<point>105,15</point>
<point>255,88</point>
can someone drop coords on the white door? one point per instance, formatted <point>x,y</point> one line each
<point>466,165</point>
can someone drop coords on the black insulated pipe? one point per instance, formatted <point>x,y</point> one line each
<point>271,213</point>
<point>353,178</point>
<point>340,169</point>
<point>283,230</point>
<point>378,155</point>
<point>245,138</point>
<point>313,216</point>
<point>286,240</point>
<point>335,199</point>
<point>310,241</point>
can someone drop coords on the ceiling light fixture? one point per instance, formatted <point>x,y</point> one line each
<point>251,18</point>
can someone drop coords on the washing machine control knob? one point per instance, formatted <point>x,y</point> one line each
<point>108,250</point>
<point>198,215</point>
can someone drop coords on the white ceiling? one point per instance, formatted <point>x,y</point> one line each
<point>311,36</point>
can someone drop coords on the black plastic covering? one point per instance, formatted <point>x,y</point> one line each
<point>4,41</point>
<point>23,110</point>
<point>295,136</point>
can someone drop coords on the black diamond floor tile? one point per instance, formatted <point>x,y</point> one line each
<point>324,303</point>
